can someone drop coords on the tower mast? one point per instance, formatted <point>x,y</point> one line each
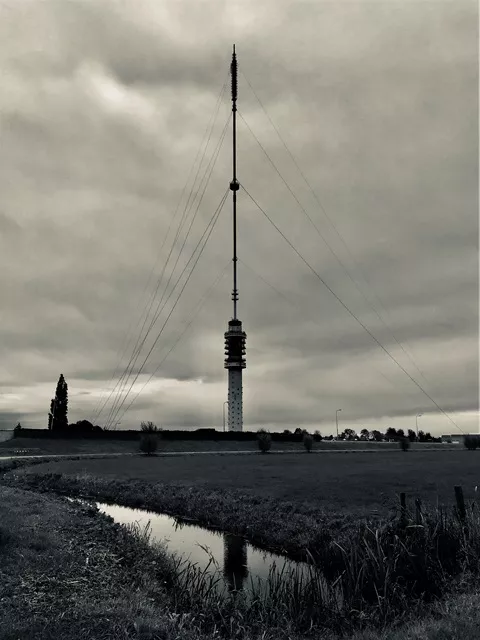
<point>234,186</point>
<point>235,337</point>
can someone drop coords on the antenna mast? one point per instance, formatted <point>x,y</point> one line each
<point>235,337</point>
<point>234,186</point>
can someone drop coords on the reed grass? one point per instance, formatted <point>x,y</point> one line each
<point>386,578</point>
<point>377,577</point>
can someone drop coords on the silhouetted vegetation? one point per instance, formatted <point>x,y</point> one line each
<point>148,443</point>
<point>472,442</point>
<point>308,442</point>
<point>57,418</point>
<point>149,427</point>
<point>264,440</point>
<point>348,434</point>
<point>84,427</point>
<point>149,439</point>
<point>391,433</point>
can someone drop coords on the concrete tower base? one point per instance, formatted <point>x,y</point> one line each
<point>235,339</point>
<point>235,400</point>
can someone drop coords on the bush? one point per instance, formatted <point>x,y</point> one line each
<point>17,430</point>
<point>149,427</point>
<point>404,444</point>
<point>472,442</point>
<point>148,443</point>
<point>308,442</point>
<point>264,440</point>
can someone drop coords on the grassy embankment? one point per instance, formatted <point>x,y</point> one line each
<point>286,503</point>
<point>375,572</point>
<point>68,572</point>
<point>359,484</point>
<point>78,446</point>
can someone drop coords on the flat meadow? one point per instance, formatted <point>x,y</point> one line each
<point>73,446</point>
<point>342,482</point>
<point>413,576</point>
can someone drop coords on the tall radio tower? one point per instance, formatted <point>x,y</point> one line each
<point>235,337</point>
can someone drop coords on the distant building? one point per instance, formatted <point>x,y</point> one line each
<point>453,438</point>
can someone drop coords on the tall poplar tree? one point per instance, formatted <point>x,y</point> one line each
<point>57,418</point>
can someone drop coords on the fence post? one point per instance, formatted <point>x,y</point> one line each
<point>418,511</point>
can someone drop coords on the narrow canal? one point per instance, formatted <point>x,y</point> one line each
<point>237,563</point>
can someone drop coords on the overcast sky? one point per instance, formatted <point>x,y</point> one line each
<point>103,109</point>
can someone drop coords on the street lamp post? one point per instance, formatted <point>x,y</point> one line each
<point>416,422</point>
<point>226,402</point>
<point>336,419</point>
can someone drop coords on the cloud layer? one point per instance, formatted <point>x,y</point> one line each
<point>103,108</point>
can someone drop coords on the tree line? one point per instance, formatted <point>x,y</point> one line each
<point>58,421</point>
<point>391,435</point>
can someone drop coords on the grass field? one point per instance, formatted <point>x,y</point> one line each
<point>57,446</point>
<point>299,501</point>
<point>350,483</point>
<point>68,572</point>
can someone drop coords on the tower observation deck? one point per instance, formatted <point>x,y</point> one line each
<point>235,339</point>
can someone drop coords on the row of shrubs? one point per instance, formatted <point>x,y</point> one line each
<point>265,441</point>
<point>151,434</point>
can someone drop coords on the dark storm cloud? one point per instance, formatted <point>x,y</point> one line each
<point>102,110</point>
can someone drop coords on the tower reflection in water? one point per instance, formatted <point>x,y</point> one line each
<point>235,569</point>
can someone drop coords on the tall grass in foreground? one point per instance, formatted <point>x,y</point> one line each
<point>392,570</point>
<point>385,577</point>
<point>377,576</point>
<point>287,600</point>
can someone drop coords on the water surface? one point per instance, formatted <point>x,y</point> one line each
<point>238,562</point>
